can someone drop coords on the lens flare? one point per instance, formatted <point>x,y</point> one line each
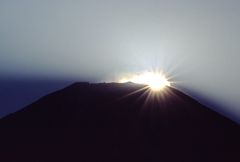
<point>155,91</point>
<point>156,81</point>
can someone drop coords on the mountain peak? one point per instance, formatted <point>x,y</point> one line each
<point>118,122</point>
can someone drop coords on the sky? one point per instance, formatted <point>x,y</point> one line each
<point>47,45</point>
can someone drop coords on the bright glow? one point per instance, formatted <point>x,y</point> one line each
<point>155,80</point>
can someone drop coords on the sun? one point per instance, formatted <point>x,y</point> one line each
<point>156,81</point>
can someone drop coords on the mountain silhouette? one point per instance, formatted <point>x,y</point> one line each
<point>118,122</point>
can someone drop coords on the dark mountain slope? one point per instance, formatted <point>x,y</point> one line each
<point>108,122</point>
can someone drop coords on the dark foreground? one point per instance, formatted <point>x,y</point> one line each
<point>107,122</point>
